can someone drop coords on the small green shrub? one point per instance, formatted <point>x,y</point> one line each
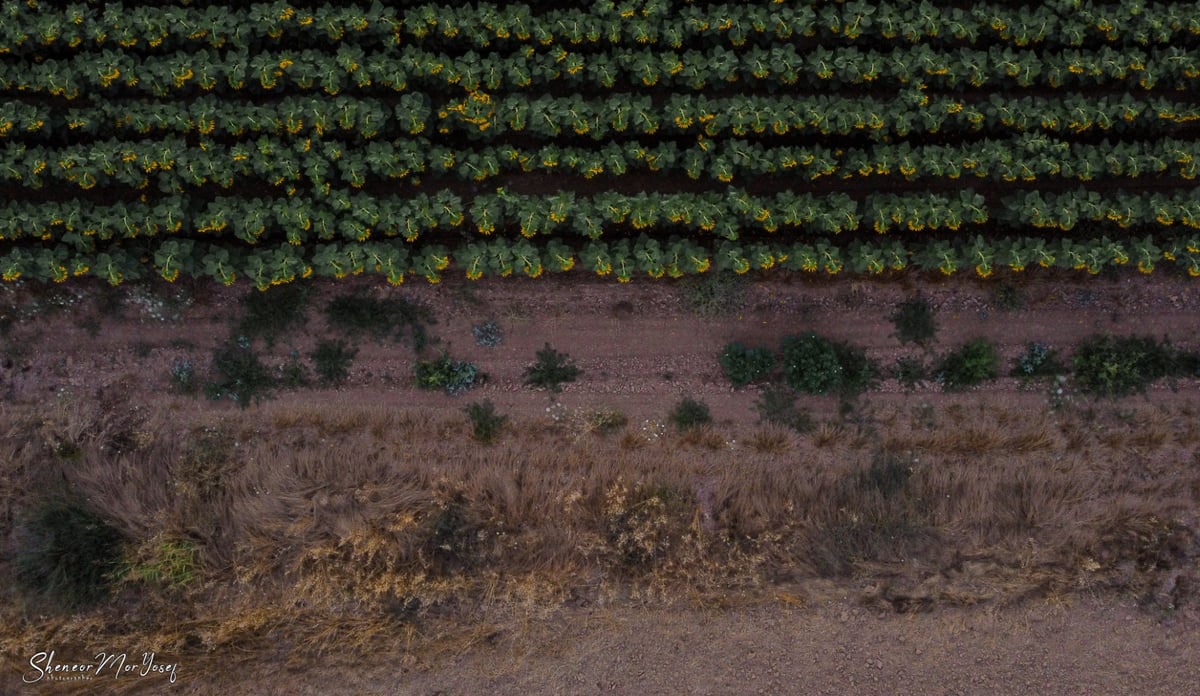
<point>910,372</point>
<point>488,334</point>
<point>551,369</point>
<point>332,360</point>
<point>604,420</point>
<point>914,321</point>
<point>714,294</point>
<point>1038,360</point>
<point>744,365</point>
<point>293,374</point>
<point>975,362</point>
<point>453,376</point>
<point>486,424</point>
<point>777,405</point>
<point>183,376</point>
<point>859,373</point>
<point>69,554</point>
<point>816,365</point>
<point>1115,366</point>
<point>690,413</point>
<point>392,318</point>
<point>142,349</point>
<point>240,375</point>
<point>1008,296</point>
<point>271,313</point>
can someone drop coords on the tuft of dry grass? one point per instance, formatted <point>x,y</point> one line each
<point>770,440</point>
<point>705,436</point>
<point>829,435</point>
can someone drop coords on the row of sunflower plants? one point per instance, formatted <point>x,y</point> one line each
<point>646,22</point>
<point>605,117</point>
<point>357,217</point>
<point>350,67</point>
<point>173,165</point>
<point>910,111</point>
<point>622,259</point>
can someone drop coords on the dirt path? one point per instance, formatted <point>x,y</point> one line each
<point>1083,647</point>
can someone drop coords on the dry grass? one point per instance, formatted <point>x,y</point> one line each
<point>328,531</point>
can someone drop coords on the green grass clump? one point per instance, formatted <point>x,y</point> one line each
<point>392,318</point>
<point>910,372</point>
<point>486,424</point>
<point>239,374</point>
<point>777,405</point>
<point>551,369</point>
<point>269,314</point>
<point>914,322</point>
<point>169,563</point>
<point>332,360</point>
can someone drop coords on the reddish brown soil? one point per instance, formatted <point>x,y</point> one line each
<point>1044,648</point>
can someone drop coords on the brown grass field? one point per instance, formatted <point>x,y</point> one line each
<point>362,530</point>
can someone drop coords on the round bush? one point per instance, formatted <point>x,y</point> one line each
<point>744,365</point>
<point>975,362</point>
<point>690,413</point>
<point>811,364</point>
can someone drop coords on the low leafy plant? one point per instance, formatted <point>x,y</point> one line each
<point>486,424</point>
<point>271,313</point>
<point>744,365</point>
<point>914,321</point>
<point>714,294</point>
<point>489,334</point>
<point>240,374</point>
<point>69,553</point>
<point>551,369</point>
<point>332,360</point>
<point>690,413</point>
<point>1038,360</point>
<point>973,363</point>
<point>816,365</point>
<point>1115,366</point>
<point>777,404</point>
<point>392,318</point>
<point>452,376</point>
